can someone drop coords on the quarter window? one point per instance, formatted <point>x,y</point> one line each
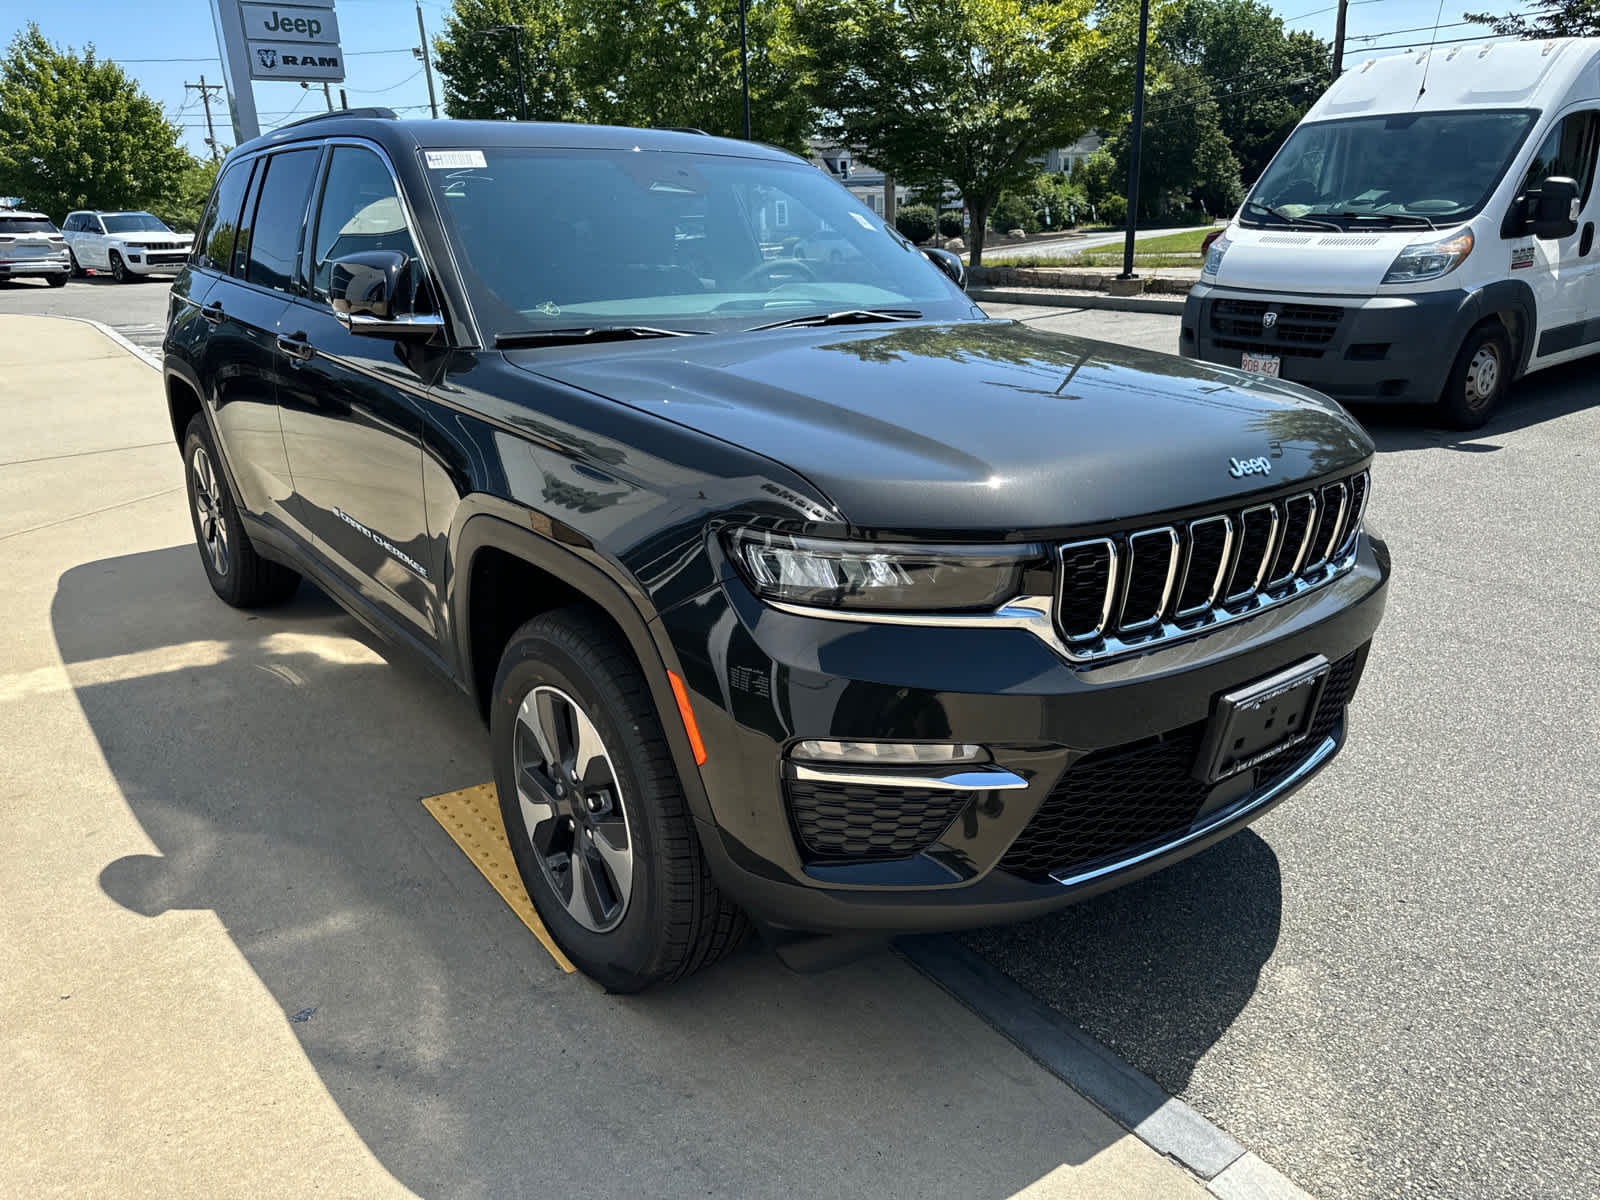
<point>280,216</point>
<point>360,211</point>
<point>1569,151</point>
<point>213,245</point>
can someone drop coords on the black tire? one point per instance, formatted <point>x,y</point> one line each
<point>77,268</point>
<point>58,280</point>
<point>119,269</point>
<point>1478,378</point>
<point>673,920</point>
<point>239,576</point>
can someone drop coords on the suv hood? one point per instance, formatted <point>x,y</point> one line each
<point>986,426</point>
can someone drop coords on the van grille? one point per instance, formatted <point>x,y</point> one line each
<point>1124,592</point>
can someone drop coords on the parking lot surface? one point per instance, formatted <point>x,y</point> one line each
<point>243,960</point>
<point>138,310</point>
<point>1387,986</point>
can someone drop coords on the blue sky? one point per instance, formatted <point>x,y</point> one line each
<point>378,36</point>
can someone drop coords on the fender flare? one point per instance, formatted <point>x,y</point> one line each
<point>1503,295</point>
<point>648,641</point>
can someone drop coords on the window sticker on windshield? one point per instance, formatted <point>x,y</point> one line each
<point>453,160</point>
<point>861,220</point>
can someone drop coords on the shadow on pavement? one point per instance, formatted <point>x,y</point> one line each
<point>277,760</point>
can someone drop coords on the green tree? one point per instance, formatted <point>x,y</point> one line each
<point>969,90</point>
<point>676,62</point>
<point>1547,19</point>
<point>1185,156</point>
<point>477,60</point>
<point>76,132</point>
<point>184,205</point>
<point>1262,78</point>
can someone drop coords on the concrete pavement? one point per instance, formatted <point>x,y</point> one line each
<point>243,961</point>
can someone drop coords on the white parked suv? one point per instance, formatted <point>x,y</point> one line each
<point>30,244</point>
<point>125,243</point>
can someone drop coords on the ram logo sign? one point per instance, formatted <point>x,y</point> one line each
<point>293,42</point>
<point>290,61</point>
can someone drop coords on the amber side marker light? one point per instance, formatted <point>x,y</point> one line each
<point>681,695</point>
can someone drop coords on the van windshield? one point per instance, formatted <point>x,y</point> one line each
<point>555,238</point>
<point>1429,168</point>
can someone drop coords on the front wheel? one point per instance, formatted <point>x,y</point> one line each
<point>77,267</point>
<point>119,269</point>
<point>1478,378</point>
<point>237,573</point>
<point>594,810</point>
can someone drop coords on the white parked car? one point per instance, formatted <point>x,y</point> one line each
<point>125,243</point>
<point>31,245</point>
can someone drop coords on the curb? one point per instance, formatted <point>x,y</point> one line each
<point>143,355</point>
<point>1051,299</point>
<point>1164,1123</point>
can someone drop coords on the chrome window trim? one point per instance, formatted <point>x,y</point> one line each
<point>1267,556</point>
<point>1223,566</point>
<point>950,779</point>
<point>1166,589</point>
<point>1111,585</point>
<point>1310,498</point>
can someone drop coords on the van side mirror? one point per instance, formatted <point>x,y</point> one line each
<point>951,264</point>
<point>1555,214</point>
<point>375,293</point>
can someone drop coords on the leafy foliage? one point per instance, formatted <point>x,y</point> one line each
<point>479,68</point>
<point>185,203</point>
<point>76,132</point>
<point>1547,19</point>
<point>1185,154</point>
<point>916,222</point>
<point>1010,212</point>
<point>969,90</point>
<point>950,225</point>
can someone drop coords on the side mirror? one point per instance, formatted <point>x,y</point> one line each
<point>375,293</point>
<point>950,264</point>
<point>1555,213</point>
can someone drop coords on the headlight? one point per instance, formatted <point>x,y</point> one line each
<point>868,576</point>
<point>1214,256</point>
<point>1430,260</point>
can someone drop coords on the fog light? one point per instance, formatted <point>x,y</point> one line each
<point>888,754</point>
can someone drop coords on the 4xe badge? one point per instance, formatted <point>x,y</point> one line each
<point>1239,468</point>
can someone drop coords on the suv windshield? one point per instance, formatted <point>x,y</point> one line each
<point>1438,167</point>
<point>25,225</point>
<point>557,238</point>
<point>135,223</point>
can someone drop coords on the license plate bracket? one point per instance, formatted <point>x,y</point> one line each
<point>1269,365</point>
<point>1260,720</point>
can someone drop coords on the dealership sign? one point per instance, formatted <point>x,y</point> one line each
<point>290,61</point>
<point>292,42</point>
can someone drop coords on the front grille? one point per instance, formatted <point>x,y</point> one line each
<point>1123,592</point>
<point>1114,803</point>
<point>852,821</point>
<point>1292,324</point>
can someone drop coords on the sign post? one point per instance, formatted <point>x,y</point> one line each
<point>286,43</point>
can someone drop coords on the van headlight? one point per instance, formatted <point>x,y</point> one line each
<point>1214,255</point>
<point>1430,260</point>
<point>868,576</point>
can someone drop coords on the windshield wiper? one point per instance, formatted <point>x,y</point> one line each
<point>582,333</point>
<point>848,316</point>
<point>1288,220</point>
<point>1391,217</point>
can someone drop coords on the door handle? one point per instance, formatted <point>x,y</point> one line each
<point>213,312</point>
<point>295,346</point>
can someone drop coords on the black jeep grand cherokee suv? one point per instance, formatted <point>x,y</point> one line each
<point>793,588</point>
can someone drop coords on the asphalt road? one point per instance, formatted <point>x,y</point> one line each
<point>1387,987</point>
<point>138,311</point>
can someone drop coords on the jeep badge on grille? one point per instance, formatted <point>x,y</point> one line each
<point>1239,468</point>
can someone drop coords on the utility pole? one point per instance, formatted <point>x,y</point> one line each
<point>427,62</point>
<point>744,67</point>
<point>1138,139</point>
<point>1338,39</point>
<point>205,89</point>
<point>327,94</point>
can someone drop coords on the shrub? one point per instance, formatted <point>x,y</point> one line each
<point>1113,210</point>
<point>1012,211</point>
<point>916,222</point>
<point>950,224</point>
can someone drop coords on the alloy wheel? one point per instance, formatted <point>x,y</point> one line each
<point>212,527</point>
<point>572,809</point>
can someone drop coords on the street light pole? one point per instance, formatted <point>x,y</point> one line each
<point>744,67</point>
<point>1136,145</point>
<point>522,91</point>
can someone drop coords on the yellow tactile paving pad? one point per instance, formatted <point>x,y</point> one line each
<point>472,819</point>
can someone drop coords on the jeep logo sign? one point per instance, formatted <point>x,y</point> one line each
<point>293,42</point>
<point>289,23</point>
<point>1239,468</point>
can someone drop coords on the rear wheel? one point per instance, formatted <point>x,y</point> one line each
<point>58,280</point>
<point>594,810</point>
<point>238,574</point>
<point>1478,379</point>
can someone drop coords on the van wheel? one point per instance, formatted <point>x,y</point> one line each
<point>594,810</point>
<point>1478,379</point>
<point>237,574</point>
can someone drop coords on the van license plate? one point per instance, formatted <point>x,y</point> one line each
<point>1261,364</point>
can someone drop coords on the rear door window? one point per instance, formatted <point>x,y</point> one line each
<point>280,217</point>
<point>213,245</point>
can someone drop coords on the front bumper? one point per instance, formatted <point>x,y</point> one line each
<point>155,262</point>
<point>761,679</point>
<point>1390,349</point>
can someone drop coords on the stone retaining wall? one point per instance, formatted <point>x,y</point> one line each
<point>1170,281</point>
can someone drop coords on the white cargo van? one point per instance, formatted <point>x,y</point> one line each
<point>1425,235</point>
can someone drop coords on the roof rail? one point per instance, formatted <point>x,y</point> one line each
<point>682,129</point>
<point>382,114</point>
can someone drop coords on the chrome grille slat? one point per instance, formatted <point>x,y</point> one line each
<point>1125,592</point>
